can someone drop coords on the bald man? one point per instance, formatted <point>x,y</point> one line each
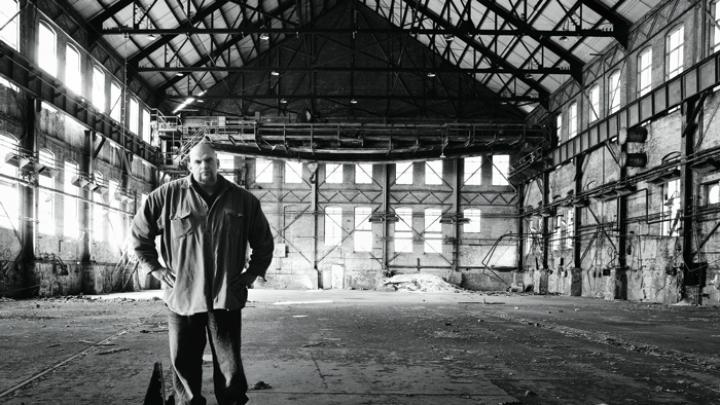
<point>206,224</point>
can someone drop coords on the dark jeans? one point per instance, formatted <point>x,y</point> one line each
<point>188,335</point>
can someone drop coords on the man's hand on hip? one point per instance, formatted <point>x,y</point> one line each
<point>247,279</point>
<point>165,276</point>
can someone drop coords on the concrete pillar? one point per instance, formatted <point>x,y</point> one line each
<point>385,209</point>
<point>457,209</point>
<point>28,192</point>
<point>621,281</point>
<point>84,209</point>
<point>693,275</point>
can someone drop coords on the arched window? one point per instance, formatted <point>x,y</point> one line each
<point>9,21</point>
<point>71,222</point>
<point>47,49</point>
<point>73,73</point>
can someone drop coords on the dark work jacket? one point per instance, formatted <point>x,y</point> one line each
<point>205,247</point>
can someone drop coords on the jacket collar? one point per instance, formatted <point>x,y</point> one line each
<point>222,182</point>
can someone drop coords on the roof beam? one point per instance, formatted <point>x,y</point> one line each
<point>350,30</point>
<point>494,58</point>
<point>108,12</point>
<point>245,25</point>
<point>320,68</point>
<point>576,65</point>
<point>162,41</point>
<point>621,26</point>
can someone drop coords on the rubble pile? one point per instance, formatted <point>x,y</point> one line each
<point>420,282</point>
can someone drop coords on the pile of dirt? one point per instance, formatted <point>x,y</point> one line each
<point>420,282</point>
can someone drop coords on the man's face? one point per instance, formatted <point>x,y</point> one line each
<point>203,165</point>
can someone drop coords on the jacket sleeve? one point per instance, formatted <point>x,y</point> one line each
<point>261,243</point>
<point>144,230</point>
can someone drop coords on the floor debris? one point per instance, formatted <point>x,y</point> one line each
<point>420,282</point>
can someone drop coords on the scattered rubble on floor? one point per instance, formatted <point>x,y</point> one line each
<point>420,282</point>
<point>262,385</point>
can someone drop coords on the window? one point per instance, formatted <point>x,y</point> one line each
<point>675,41</point>
<point>73,72</point>
<point>47,50</point>
<point>9,20</point>
<point>134,116</point>
<point>71,223</point>
<point>404,230</point>
<point>99,212</point>
<point>572,121</point>
<point>713,193</point>
<point>263,171</point>
<point>472,171</point>
<point>501,167</point>
<point>594,97</point>
<point>333,173</point>
<point>363,230</point>
<point>293,172</point>
<point>645,71</point>
<point>716,28</point>
<point>115,102</point>
<point>98,89</point>
<point>472,214</point>
<point>363,173</point>
<point>404,173</point>
<point>146,130</point>
<point>10,202</point>
<point>433,172</point>
<point>115,217</point>
<point>558,125</point>
<point>614,92</point>
<point>433,231</point>
<point>46,195</point>
<point>671,208</point>
<point>333,226</point>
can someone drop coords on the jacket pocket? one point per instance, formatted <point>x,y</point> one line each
<point>181,224</point>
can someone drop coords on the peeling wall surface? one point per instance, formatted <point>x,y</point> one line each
<point>637,231</point>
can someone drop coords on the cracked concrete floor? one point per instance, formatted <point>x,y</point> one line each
<point>363,347</point>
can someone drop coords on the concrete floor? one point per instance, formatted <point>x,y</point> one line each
<point>361,347</point>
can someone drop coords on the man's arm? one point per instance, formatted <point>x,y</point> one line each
<point>143,232</point>
<point>261,243</point>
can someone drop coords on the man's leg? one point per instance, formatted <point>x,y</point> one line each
<point>187,343</point>
<point>224,328</point>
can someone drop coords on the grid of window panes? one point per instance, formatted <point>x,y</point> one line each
<point>572,120</point>
<point>645,71</point>
<point>675,41</point>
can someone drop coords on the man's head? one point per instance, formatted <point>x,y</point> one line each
<point>203,164</point>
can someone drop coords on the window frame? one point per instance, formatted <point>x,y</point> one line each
<point>47,59</point>
<point>594,103</point>
<point>433,176</point>
<point>403,237</point>
<point>500,178</point>
<point>670,71</point>
<point>362,235</point>
<point>261,170</point>
<point>332,226</point>
<point>473,178</point>
<point>614,92</point>
<point>73,78</point>
<point>645,88</point>
<point>573,120</point>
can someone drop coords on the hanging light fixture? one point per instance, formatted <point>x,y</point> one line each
<point>353,100</point>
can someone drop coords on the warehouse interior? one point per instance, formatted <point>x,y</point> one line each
<point>561,153</point>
